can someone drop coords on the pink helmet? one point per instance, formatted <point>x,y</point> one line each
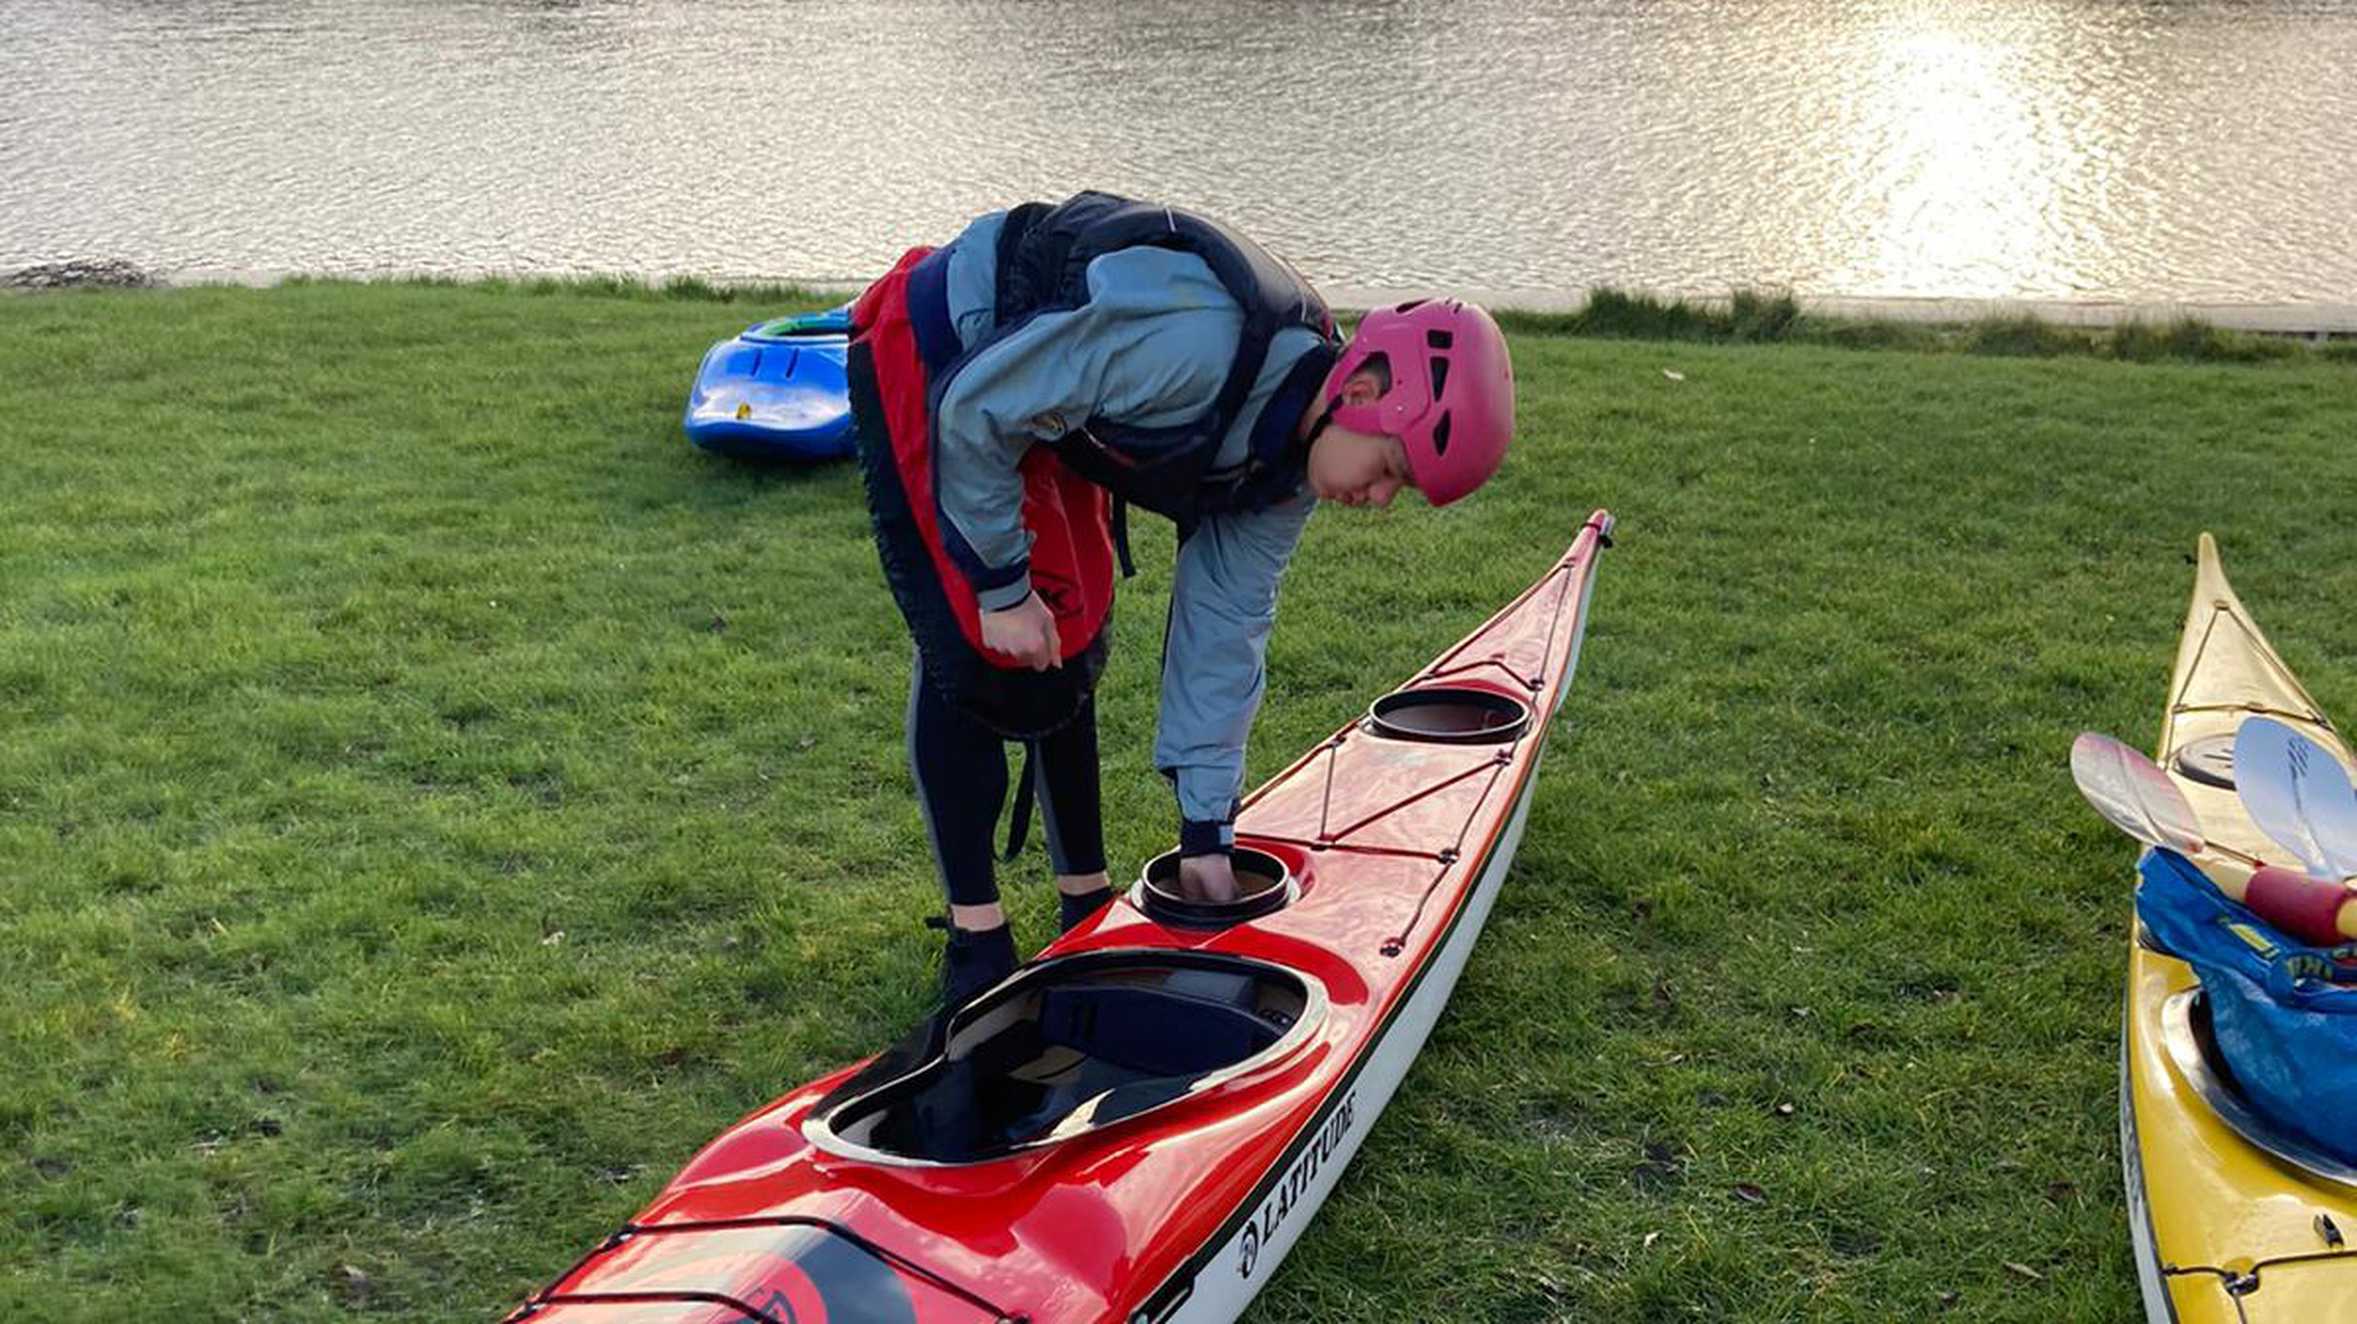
<point>1451,400</point>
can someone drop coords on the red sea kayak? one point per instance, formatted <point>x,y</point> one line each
<point>1137,1125</point>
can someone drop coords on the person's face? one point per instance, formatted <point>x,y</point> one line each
<point>1357,468</point>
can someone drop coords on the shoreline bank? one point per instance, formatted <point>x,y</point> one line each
<point>2312,321</point>
<point>2315,321</point>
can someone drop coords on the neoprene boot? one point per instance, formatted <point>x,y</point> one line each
<point>974,960</point>
<point>1077,909</point>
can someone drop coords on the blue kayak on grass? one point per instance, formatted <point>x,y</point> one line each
<point>776,391</point>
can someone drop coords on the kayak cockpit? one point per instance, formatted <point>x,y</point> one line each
<point>1071,1045</point>
<point>2192,1044</point>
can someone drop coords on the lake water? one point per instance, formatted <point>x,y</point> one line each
<point>2197,151</point>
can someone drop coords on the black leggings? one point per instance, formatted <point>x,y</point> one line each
<point>961,774</point>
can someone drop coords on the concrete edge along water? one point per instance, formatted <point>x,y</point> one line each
<point>2313,321</point>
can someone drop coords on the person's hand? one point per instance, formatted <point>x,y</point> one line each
<point>1025,632</point>
<point>1207,878</point>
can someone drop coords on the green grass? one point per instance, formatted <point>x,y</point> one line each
<point>435,799</point>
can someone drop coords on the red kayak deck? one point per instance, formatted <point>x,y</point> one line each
<point>1397,847</point>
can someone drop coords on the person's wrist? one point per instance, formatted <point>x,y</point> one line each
<point>1004,597</point>
<point>1210,836</point>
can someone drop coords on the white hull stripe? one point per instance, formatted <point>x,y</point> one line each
<point>2158,1307</point>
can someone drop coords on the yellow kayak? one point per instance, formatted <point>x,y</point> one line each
<point>2234,1220</point>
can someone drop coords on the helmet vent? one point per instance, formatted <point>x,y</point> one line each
<point>1412,303</point>
<point>1439,339</point>
<point>1440,436</point>
<point>1440,377</point>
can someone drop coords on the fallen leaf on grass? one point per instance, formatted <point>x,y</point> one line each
<point>1750,1193</point>
<point>2025,1271</point>
<point>1673,375</point>
<point>1650,1238</point>
<point>553,939</point>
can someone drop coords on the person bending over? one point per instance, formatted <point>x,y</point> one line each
<point>1014,391</point>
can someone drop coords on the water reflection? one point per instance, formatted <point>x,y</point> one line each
<point>2036,148</point>
<point>1971,162</point>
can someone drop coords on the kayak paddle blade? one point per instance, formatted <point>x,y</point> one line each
<point>2298,794</point>
<point>2332,810</point>
<point>2133,793</point>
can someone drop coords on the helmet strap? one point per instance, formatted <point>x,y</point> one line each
<point>1297,454</point>
<point>1318,429</point>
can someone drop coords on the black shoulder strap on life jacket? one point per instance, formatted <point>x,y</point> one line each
<point>1129,567</point>
<point>1046,265</point>
<point>1044,255</point>
<point>1279,455</point>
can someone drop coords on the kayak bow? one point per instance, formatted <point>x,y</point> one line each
<point>1147,1115</point>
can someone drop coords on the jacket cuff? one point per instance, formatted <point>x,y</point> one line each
<point>1204,836</point>
<point>1006,595</point>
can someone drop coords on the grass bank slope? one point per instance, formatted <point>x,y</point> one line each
<point>435,799</point>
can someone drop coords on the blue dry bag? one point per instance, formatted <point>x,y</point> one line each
<point>2286,1030</point>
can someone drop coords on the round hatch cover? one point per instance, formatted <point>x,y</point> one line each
<point>2209,761</point>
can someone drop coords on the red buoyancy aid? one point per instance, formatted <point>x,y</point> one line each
<point>1072,566</point>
